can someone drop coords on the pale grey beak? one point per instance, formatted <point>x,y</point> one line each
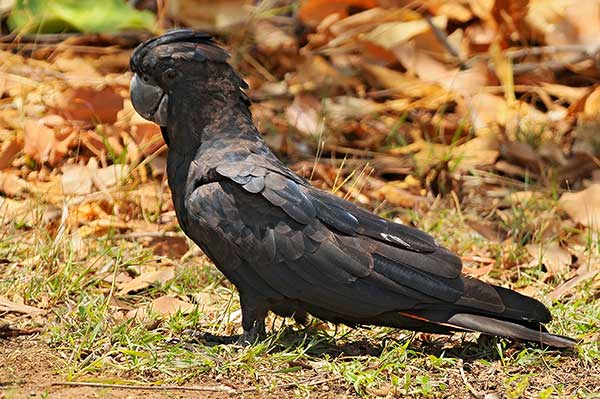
<point>149,101</point>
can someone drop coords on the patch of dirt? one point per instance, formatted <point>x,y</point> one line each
<point>29,369</point>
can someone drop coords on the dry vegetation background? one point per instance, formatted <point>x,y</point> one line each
<point>478,121</point>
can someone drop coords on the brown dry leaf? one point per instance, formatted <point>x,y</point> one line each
<point>77,70</point>
<point>346,107</point>
<point>397,196</point>
<point>566,288</point>
<point>366,20</point>
<point>476,152</point>
<point>486,110</point>
<point>76,180</point>
<point>150,197</point>
<point>305,115</point>
<point>12,185</point>
<point>163,306</point>
<point>9,149</point>
<point>13,211</point>
<point>451,10</point>
<point>583,206</point>
<point>418,62</point>
<point>562,22</point>
<point>145,280</point>
<point>391,34</point>
<point>316,73</point>
<point>109,176</point>
<point>90,104</point>
<point>271,39</point>
<point>591,107</point>
<point>9,306</point>
<point>402,84</point>
<point>522,154</point>
<point>44,142</point>
<point>39,141</point>
<point>312,12</point>
<point>210,14</point>
<point>567,93</point>
<point>556,259</point>
<point>488,230</point>
<point>478,272</point>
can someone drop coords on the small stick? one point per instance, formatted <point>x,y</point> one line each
<point>223,388</point>
<point>474,392</point>
<point>146,234</point>
<point>443,39</point>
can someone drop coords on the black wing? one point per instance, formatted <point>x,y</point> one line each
<point>319,249</point>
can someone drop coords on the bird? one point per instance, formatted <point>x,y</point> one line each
<point>291,248</point>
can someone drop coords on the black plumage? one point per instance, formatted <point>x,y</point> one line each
<point>287,246</point>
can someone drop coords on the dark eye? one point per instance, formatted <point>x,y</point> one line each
<point>171,74</point>
<point>145,78</point>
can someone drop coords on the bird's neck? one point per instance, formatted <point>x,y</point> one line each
<point>192,124</point>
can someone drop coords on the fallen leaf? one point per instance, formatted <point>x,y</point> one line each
<point>109,176</point>
<point>566,288</point>
<point>452,10</point>
<point>76,180</point>
<point>90,104</point>
<point>45,144</point>
<point>210,14</point>
<point>271,39</point>
<point>9,306</point>
<point>583,206</point>
<point>305,115</point>
<point>522,154</point>
<point>556,259</point>
<point>312,12</point>
<point>8,151</point>
<point>12,185</point>
<point>145,280</point>
<point>478,272</point>
<point>591,107</point>
<point>403,84</point>
<point>397,196</point>
<point>6,330</point>
<point>388,35</point>
<point>163,306</point>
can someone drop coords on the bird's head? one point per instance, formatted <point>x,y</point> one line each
<point>179,63</point>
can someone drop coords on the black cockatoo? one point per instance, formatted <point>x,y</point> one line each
<point>287,246</point>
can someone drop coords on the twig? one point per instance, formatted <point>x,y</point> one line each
<point>473,391</point>
<point>146,234</point>
<point>222,388</point>
<point>443,39</point>
<point>551,65</point>
<point>584,52</point>
<point>541,50</point>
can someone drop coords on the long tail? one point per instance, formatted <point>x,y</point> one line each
<point>491,326</point>
<point>492,310</point>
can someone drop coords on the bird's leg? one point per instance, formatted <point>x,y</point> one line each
<point>253,321</point>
